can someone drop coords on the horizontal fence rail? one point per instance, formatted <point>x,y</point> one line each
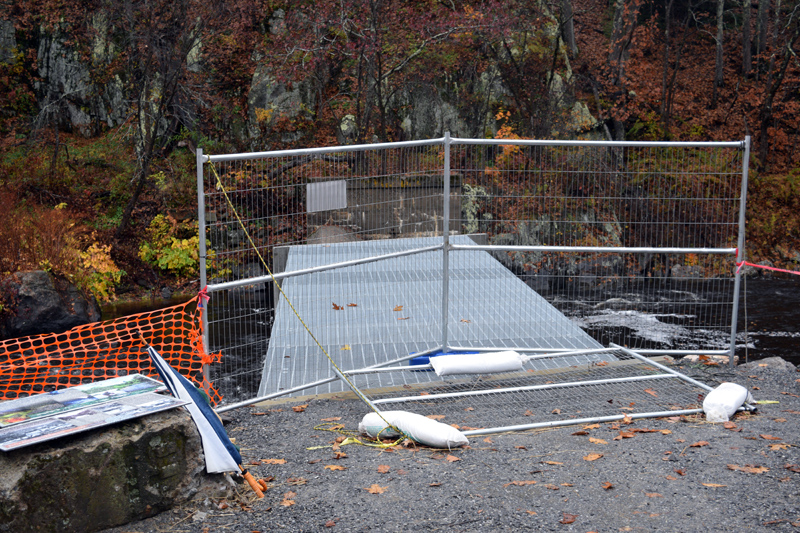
<point>397,249</point>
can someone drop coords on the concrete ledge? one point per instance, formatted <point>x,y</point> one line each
<point>105,478</point>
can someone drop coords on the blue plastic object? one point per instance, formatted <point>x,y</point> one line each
<point>426,359</point>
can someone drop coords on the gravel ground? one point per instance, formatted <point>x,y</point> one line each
<point>687,475</point>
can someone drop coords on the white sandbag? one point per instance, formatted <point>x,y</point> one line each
<point>479,363</point>
<point>420,428</point>
<point>372,424</point>
<point>721,403</point>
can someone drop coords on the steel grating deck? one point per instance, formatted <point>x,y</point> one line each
<point>388,309</point>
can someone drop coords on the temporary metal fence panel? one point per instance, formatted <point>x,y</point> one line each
<point>635,242</point>
<point>611,384</point>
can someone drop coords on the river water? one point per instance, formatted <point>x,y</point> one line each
<point>769,319</point>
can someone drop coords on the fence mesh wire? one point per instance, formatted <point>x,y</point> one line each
<point>595,385</point>
<point>329,205</point>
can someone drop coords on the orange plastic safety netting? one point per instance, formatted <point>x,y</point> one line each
<point>103,350</point>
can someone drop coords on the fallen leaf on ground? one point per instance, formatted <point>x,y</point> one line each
<point>435,417</point>
<point>532,513</point>
<point>434,484</point>
<point>521,483</point>
<point>680,472</point>
<point>339,455</point>
<point>626,419</point>
<point>699,444</point>
<point>299,408</point>
<point>552,463</point>
<point>452,458</point>
<point>527,413</point>
<point>274,461</point>
<point>465,320</point>
<point>568,518</point>
<point>653,495</point>
<point>488,440</point>
<point>665,432</point>
<point>330,523</point>
<point>375,489</point>
<point>792,468</point>
<point>597,441</point>
<point>779,420</point>
<point>624,435</point>
<point>768,437</point>
<point>651,392</point>
<point>579,433</point>
<point>398,308</point>
<point>382,469</point>
<point>345,347</point>
<point>331,419</point>
<point>671,478</point>
<point>520,448</point>
<point>469,408</point>
<point>335,467</point>
<point>729,425</point>
<point>750,469</point>
<point>781,446</point>
<point>337,307</point>
<point>296,481</point>
<point>404,318</point>
<point>287,499</point>
<point>607,485</point>
<point>556,411</point>
<point>593,457</point>
<point>713,485</point>
<point>352,305</point>
<point>551,486</point>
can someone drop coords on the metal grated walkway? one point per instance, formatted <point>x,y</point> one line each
<point>391,308</point>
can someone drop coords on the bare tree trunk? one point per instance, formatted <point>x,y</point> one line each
<point>568,26</point>
<point>719,76</point>
<point>765,114</point>
<point>665,70</point>
<point>625,15</point>
<point>762,21</point>
<point>747,54</point>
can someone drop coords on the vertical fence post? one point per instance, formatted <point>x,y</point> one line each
<point>740,255</point>
<point>445,239</point>
<point>201,232</point>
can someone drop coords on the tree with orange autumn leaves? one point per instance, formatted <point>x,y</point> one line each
<point>652,70</point>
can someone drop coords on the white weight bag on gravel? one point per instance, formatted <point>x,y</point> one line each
<point>721,403</point>
<point>420,428</point>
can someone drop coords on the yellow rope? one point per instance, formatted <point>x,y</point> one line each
<point>355,389</point>
<point>352,436</point>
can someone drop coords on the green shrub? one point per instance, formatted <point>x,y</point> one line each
<point>164,250</point>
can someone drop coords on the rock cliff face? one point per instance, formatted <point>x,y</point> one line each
<point>68,94</point>
<point>75,93</point>
<point>41,304</point>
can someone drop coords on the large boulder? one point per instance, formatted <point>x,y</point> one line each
<point>106,477</point>
<point>35,302</point>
